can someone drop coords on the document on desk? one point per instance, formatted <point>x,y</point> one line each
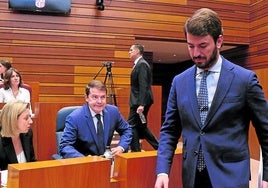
<point>4,178</point>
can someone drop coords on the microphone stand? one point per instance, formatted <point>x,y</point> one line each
<point>108,81</point>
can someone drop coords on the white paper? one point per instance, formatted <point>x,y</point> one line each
<point>4,178</point>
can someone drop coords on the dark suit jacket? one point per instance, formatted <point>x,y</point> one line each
<point>238,99</point>
<point>140,81</point>
<point>7,151</point>
<point>79,137</point>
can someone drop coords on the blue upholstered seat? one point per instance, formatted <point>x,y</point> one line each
<point>60,124</point>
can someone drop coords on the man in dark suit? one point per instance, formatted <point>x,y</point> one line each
<point>141,99</point>
<point>215,151</point>
<point>80,136</point>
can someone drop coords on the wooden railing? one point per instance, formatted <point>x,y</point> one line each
<point>82,172</point>
<point>129,170</point>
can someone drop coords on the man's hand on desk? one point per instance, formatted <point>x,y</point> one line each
<point>117,150</point>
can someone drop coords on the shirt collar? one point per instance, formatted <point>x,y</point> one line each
<point>136,61</point>
<point>216,68</point>
<point>93,114</point>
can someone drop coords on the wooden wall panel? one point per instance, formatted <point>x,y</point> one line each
<point>48,49</point>
<point>258,55</point>
<point>258,51</point>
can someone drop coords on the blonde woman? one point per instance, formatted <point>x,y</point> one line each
<point>16,137</point>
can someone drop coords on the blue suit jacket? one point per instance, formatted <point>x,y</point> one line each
<point>238,99</point>
<point>79,137</point>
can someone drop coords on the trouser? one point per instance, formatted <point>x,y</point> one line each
<point>140,131</point>
<point>202,179</point>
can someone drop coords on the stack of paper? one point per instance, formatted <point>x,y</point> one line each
<point>4,178</point>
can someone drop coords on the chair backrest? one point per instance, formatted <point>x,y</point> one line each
<point>60,122</point>
<point>61,116</point>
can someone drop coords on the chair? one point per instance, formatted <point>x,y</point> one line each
<point>60,124</point>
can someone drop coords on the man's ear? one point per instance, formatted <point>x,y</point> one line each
<point>219,42</point>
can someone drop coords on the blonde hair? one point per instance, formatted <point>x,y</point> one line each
<point>9,116</point>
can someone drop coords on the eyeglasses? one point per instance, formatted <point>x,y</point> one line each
<point>95,97</point>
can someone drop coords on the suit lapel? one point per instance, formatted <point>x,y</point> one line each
<point>93,132</point>
<point>192,94</point>
<point>106,118</point>
<point>224,83</point>
<point>9,150</point>
<point>25,142</point>
<point>91,125</point>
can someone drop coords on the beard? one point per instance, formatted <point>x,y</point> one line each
<point>209,63</point>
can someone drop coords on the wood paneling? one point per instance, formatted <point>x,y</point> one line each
<point>258,51</point>
<point>61,173</point>
<point>125,174</point>
<point>136,170</point>
<point>48,48</point>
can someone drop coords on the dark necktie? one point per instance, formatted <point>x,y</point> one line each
<point>100,134</point>
<point>202,99</point>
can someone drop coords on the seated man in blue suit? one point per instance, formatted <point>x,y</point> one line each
<point>80,135</point>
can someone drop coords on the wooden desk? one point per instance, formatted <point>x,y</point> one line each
<point>84,172</point>
<point>137,170</point>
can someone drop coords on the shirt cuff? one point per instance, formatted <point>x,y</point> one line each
<point>162,174</point>
<point>122,148</point>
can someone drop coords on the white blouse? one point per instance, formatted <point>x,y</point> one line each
<point>7,95</point>
<point>21,157</point>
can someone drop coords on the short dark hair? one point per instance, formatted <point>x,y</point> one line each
<point>6,64</point>
<point>139,47</point>
<point>95,84</point>
<point>204,22</point>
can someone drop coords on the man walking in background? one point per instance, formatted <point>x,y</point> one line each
<point>141,99</point>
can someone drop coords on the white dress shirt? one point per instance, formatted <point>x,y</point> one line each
<point>212,79</point>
